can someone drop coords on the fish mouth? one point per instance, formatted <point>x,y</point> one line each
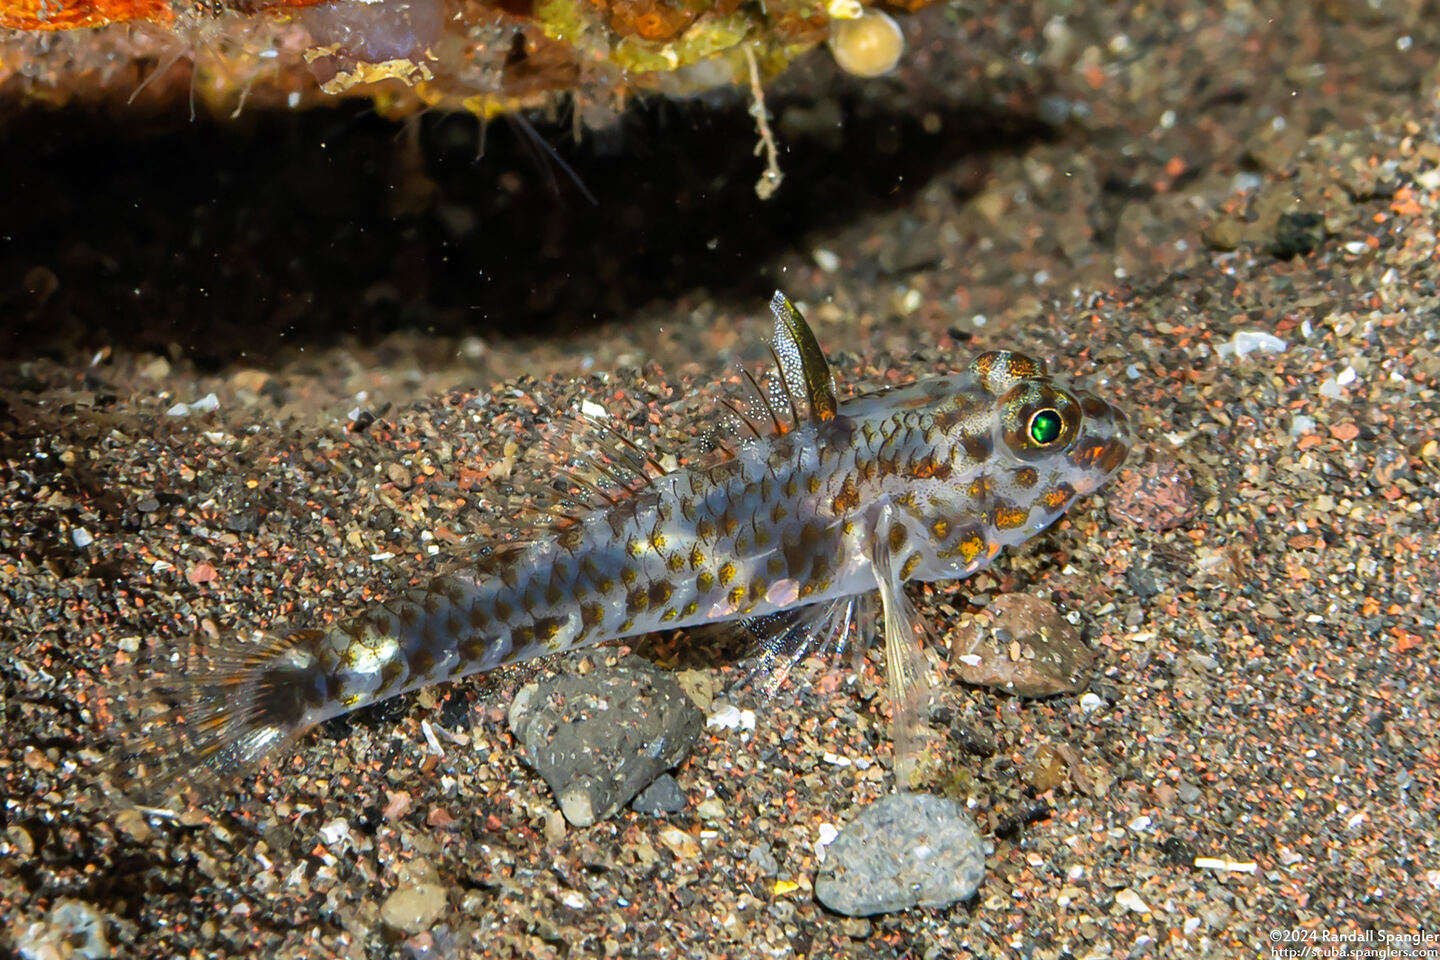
<point>1102,446</point>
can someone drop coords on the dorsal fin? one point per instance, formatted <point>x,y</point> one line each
<point>584,460</point>
<point>579,461</point>
<point>802,363</point>
<point>798,390</point>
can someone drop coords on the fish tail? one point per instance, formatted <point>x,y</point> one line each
<point>218,713</point>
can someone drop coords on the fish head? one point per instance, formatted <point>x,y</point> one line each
<point>1019,448</point>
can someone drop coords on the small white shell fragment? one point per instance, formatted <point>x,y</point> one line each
<point>334,831</point>
<point>869,45</point>
<point>1131,901</point>
<point>432,741</point>
<point>1251,341</point>
<point>205,404</point>
<point>1231,866</point>
<point>827,260</point>
<point>727,716</point>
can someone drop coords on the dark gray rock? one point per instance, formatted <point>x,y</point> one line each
<point>602,733</point>
<point>905,850</point>
<point>660,798</point>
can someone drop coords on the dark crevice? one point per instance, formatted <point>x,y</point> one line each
<point>231,241</point>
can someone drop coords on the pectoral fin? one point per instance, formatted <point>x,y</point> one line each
<point>907,674</point>
<point>784,639</point>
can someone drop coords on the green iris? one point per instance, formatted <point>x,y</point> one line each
<point>1045,427</point>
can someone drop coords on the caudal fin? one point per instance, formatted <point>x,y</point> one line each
<point>216,714</point>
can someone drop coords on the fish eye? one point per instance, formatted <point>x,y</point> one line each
<point>1038,419</point>
<point>1045,426</point>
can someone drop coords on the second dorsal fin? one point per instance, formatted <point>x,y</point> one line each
<point>802,363</point>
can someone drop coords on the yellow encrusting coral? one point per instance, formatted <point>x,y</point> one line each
<point>482,56</point>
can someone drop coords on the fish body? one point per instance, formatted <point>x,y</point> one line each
<point>926,482</point>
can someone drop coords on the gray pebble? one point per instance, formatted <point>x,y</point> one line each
<point>660,798</point>
<point>905,850</point>
<point>763,857</point>
<point>601,734</point>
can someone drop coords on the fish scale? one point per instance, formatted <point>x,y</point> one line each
<point>820,503</point>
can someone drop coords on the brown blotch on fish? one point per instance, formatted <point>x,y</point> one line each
<point>1092,406</point>
<point>421,661</point>
<point>971,547</point>
<point>1010,517</point>
<point>908,567</point>
<point>978,446</point>
<point>848,498</point>
<point>898,536</point>
<point>1115,454</point>
<point>391,674</point>
<point>1057,496</point>
<point>1025,477</point>
<point>927,467</point>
